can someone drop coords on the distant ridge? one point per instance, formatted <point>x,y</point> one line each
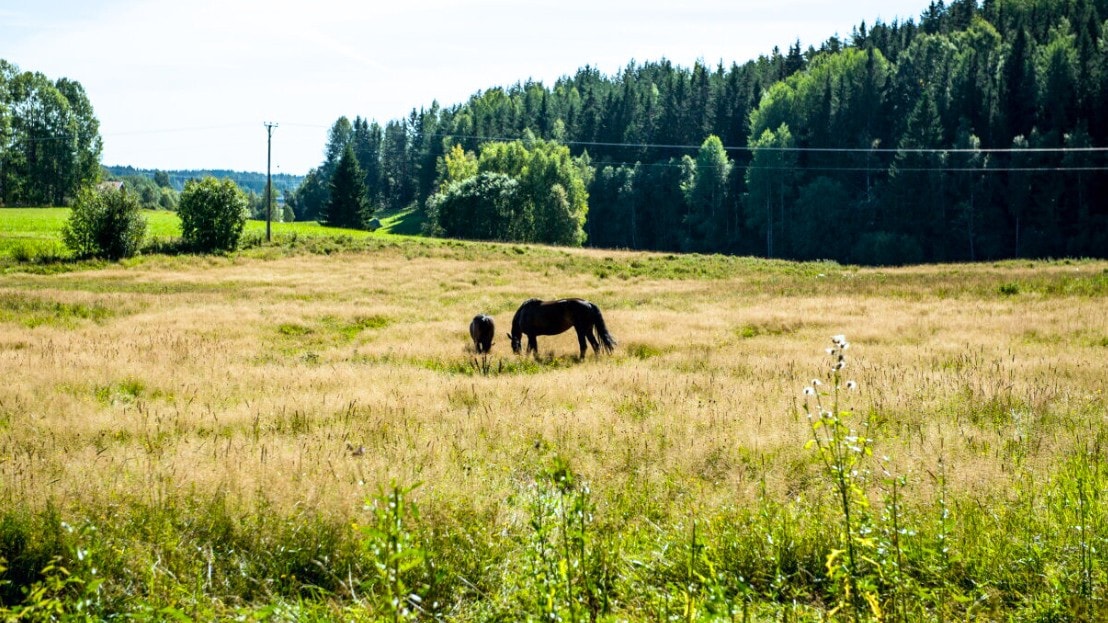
<point>246,180</point>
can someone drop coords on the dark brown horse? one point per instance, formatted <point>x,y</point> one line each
<point>536,317</point>
<point>482,329</point>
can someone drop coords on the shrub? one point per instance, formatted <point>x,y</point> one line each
<point>213,214</point>
<point>106,224</point>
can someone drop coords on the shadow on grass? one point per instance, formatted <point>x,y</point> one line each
<point>407,222</point>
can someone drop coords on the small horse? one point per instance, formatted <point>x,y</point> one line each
<point>482,329</point>
<point>537,317</point>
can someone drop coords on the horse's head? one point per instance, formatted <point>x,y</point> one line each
<point>517,342</point>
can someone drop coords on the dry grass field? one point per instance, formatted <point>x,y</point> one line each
<point>294,387</point>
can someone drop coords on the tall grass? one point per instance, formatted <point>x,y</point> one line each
<point>196,438</point>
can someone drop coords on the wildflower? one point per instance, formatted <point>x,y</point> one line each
<point>839,365</point>
<point>808,391</point>
<point>816,383</point>
<point>838,340</point>
<point>851,385</point>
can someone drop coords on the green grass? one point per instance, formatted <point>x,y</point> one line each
<point>31,232</point>
<point>407,222</point>
<point>33,236</point>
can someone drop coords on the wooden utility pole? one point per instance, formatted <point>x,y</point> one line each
<point>269,125</point>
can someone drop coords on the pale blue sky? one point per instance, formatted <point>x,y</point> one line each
<point>188,85</point>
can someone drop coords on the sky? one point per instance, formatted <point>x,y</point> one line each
<point>190,85</point>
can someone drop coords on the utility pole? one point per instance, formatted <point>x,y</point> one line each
<point>269,125</point>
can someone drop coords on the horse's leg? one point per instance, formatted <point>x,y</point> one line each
<point>533,345</point>
<point>592,340</point>
<point>581,340</point>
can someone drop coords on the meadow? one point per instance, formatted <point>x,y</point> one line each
<point>302,431</point>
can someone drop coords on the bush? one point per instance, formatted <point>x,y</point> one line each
<point>213,214</point>
<point>105,224</point>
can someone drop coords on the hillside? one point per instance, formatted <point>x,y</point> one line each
<point>978,132</point>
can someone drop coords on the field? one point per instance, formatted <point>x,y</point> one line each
<point>250,436</point>
<point>33,233</point>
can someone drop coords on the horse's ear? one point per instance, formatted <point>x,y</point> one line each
<point>509,335</point>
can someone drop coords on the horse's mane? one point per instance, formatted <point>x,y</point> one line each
<point>516,329</point>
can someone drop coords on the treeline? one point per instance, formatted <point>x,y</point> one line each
<point>977,132</point>
<point>175,179</point>
<point>49,138</point>
<point>160,189</point>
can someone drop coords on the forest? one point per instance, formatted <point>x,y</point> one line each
<point>978,132</point>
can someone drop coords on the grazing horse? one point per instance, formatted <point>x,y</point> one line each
<point>482,329</point>
<point>537,317</point>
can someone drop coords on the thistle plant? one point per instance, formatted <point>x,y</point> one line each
<point>843,446</point>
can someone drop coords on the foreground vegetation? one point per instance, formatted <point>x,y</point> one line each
<point>300,431</point>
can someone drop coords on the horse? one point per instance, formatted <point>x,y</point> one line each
<point>482,329</point>
<point>535,317</point>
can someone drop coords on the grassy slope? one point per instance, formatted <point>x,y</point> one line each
<point>206,405</point>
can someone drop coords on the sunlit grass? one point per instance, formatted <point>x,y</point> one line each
<point>209,428</point>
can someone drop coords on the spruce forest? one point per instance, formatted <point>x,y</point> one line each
<point>976,133</point>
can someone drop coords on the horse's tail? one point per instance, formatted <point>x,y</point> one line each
<point>606,339</point>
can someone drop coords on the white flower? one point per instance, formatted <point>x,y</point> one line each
<point>816,383</point>
<point>838,340</point>
<point>851,385</point>
<point>808,391</point>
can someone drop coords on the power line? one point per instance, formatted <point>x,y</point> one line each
<point>831,169</point>
<point>670,146</point>
<point>866,150</point>
<point>178,130</point>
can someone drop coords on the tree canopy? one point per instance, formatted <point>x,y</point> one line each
<point>529,191</point>
<point>979,131</point>
<point>49,139</point>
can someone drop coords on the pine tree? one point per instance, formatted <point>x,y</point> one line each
<point>347,206</point>
<point>367,147</point>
